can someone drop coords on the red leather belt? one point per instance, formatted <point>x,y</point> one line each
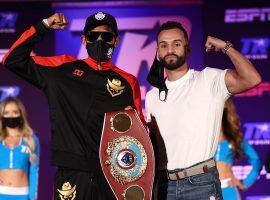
<point>127,156</point>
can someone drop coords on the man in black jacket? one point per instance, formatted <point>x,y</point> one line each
<point>79,92</point>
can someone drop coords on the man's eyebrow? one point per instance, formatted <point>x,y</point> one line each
<point>162,42</point>
<point>177,40</point>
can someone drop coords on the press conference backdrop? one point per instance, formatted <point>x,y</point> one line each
<point>138,24</point>
<point>246,25</point>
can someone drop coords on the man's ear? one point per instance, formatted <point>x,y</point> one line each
<point>83,40</point>
<point>117,41</point>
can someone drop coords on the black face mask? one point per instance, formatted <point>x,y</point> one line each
<point>100,50</point>
<point>12,122</point>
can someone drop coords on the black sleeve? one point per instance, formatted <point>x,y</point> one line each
<point>19,61</point>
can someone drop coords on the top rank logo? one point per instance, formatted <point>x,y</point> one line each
<point>257,133</point>
<point>255,48</point>
<point>7,22</point>
<point>247,15</point>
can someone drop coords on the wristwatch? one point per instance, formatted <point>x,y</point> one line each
<point>227,46</point>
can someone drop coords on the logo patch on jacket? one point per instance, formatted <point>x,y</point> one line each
<point>114,87</point>
<point>67,192</point>
<point>78,72</point>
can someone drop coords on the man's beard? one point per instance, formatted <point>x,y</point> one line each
<point>172,65</point>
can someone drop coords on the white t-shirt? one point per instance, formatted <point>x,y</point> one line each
<point>190,119</point>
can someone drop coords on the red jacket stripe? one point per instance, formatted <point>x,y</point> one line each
<point>53,61</point>
<point>27,34</point>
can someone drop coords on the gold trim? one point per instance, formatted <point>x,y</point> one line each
<point>120,175</point>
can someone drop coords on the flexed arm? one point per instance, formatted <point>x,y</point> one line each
<point>244,76</point>
<point>19,59</point>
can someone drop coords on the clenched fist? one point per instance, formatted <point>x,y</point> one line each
<point>57,21</point>
<point>214,44</point>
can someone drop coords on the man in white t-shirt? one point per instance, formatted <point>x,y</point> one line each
<point>184,112</point>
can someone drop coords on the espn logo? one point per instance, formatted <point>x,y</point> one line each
<point>247,15</point>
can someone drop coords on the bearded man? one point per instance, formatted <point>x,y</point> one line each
<point>185,111</point>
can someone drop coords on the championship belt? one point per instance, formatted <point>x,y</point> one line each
<point>127,156</point>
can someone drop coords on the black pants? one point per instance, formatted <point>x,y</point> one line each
<point>70,184</point>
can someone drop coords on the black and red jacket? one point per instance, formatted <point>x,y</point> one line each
<point>78,96</point>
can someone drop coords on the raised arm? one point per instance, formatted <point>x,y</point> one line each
<point>244,76</point>
<point>19,59</point>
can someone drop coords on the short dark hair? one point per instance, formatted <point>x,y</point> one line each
<point>173,25</point>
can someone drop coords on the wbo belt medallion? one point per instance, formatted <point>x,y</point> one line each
<point>127,159</point>
<point>126,156</point>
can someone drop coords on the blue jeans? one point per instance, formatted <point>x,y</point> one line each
<point>203,186</point>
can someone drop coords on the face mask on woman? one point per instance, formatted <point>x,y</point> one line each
<point>12,122</point>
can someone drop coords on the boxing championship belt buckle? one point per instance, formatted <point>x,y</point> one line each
<point>127,156</point>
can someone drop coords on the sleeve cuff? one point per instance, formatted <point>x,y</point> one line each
<point>226,91</point>
<point>45,22</point>
<point>42,28</point>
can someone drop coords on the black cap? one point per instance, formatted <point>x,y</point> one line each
<point>98,19</point>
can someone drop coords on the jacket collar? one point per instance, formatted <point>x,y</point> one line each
<point>103,65</point>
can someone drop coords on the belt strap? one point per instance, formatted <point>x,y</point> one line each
<point>191,171</point>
